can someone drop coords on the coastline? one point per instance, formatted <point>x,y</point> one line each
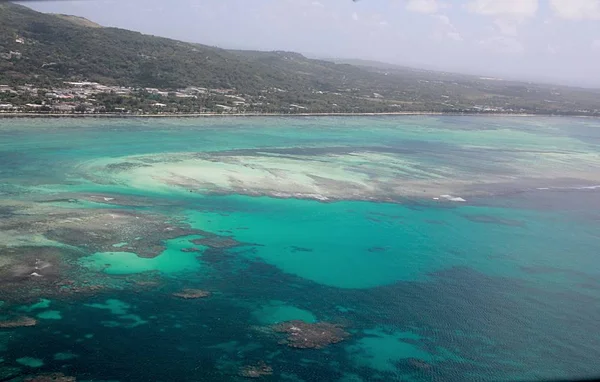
<point>203,115</point>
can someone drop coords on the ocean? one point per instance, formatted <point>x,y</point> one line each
<point>384,248</point>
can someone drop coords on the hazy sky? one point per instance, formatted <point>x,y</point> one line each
<point>548,40</point>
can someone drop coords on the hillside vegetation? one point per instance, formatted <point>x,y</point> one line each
<point>45,50</point>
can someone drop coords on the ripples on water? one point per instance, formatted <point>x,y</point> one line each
<point>497,287</point>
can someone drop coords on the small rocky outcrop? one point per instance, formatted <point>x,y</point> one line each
<point>191,293</point>
<point>304,335</point>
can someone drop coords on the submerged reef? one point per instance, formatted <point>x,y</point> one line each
<point>29,272</point>
<point>146,283</point>
<point>189,294</point>
<point>50,377</point>
<point>419,364</point>
<point>256,371</point>
<point>304,335</point>
<point>89,230</point>
<point>117,200</point>
<point>18,322</point>
<point>217,242</point>
<point>42,242</point>
<point>190,250</point>
<point>10,373</point>
<point>31,263</point>
<point>142,234</point>
<point>343,173</point>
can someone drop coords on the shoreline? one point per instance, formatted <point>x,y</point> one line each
<point>238,115</point>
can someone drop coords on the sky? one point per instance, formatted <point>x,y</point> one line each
<point>555,41</point>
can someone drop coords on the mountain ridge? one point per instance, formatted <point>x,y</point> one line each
<point>82,21</point>
<point>47,49</point>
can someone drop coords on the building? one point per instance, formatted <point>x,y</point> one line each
<point>65,107</point>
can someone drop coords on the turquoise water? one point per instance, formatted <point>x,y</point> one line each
<point>171,261</point>
<point>449,248</point>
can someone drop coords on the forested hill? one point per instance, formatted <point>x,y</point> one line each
<point>57,48</point>
<point>46,50</point>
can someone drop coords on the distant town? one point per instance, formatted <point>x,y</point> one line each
<point>94,98</point>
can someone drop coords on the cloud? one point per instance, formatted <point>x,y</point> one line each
<point>596,45</point>
<point>446,29</point>
<point>355,16</point>
<point>507,26</point>
<point>512,8</point>
<point>576,9</point>
<point>422,6</point>
<point>509,14</point>
<point>503,44</point>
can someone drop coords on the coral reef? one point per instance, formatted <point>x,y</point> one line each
<point>41,243</point>
<point>142,234</point>
<point>90,230</point>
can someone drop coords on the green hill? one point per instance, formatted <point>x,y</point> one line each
<point>82,21</point>
<point>57,47</point>
<point>46,50</point>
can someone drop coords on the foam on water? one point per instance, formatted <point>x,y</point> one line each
<point>453,198</point>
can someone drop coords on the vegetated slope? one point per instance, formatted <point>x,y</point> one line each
<point>78,20</point>
<point>493,92</point>
<point>57,48</point>
<point>45,49</point>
